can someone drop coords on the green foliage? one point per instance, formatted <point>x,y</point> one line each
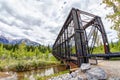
<point>115,16</point>
<point>23,52</point>
<point>21,56</point>
<point>99,49</point>
<point>73,50</point>
<point>114,47</point>
<point>20,67</point>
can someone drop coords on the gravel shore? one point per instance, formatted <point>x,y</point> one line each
<point>105,70</point>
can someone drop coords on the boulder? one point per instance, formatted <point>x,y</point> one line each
<point>72,79</point>
<point>96,74</point>
<point>55,78</point>
<point>73,74</point>
<point>80,78</point>
<point>85,66</point>
<point>66,76</point>
<point>114,78</point>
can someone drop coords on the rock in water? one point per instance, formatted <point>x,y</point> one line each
<point>96,74</point>
<point>85,66</point>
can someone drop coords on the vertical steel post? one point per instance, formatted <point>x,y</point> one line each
<point>62,47</point>
<point>104,36</point>
<point>68,57</point>
<point>65,43</point>
<point>79,39</point>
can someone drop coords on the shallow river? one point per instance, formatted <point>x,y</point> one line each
<point>40,72</point>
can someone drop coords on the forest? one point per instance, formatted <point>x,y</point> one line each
<point>22,57</point>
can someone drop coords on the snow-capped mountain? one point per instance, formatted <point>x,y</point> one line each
<point>3,40</point>
<point>6,40</point>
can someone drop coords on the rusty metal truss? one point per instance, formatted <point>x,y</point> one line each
<point>78,37</point>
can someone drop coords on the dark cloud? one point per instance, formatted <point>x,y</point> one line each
<point>65,2</point>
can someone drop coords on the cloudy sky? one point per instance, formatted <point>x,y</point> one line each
<point>41,20</point>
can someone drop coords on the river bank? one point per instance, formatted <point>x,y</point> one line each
<point>109,70</point>
<point>38,74</point>
<point>105,70</point>
<point>25,65</point>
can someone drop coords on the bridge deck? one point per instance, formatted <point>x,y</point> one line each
<point>116,54</point>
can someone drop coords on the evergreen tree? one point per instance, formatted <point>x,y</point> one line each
<point>1,48</point>
<point>37,51</point>
<point>112,44</point>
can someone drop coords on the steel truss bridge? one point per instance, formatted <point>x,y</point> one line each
<point>79,35</point>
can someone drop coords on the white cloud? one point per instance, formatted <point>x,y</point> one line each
<point>41,20</point>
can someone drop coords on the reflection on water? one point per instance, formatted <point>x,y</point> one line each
<point>41,72</point>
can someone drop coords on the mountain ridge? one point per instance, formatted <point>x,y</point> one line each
<point>6,40</point>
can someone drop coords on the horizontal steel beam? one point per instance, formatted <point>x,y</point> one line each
<point>86,13</point>
<point>104,55</point>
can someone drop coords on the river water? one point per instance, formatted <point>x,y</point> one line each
<point>40,72</point>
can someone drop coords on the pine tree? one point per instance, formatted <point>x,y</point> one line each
<point>112,44</point>
<point>37,51</point>
<point>21,50</point>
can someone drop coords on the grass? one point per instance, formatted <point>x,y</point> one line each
<point>114,47</point>
<point>22,57</point>
<point>114,59</point>
<point>25,65</point>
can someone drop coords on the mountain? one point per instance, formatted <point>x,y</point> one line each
<point>6,40</point>
<point>26,41</point>
<point>3,40</point>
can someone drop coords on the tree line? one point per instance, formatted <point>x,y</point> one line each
<point>23,51</point>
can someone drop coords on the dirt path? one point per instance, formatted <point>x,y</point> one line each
<point>112,68</point>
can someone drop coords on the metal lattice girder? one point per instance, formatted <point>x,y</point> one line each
<point>72,41</point>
